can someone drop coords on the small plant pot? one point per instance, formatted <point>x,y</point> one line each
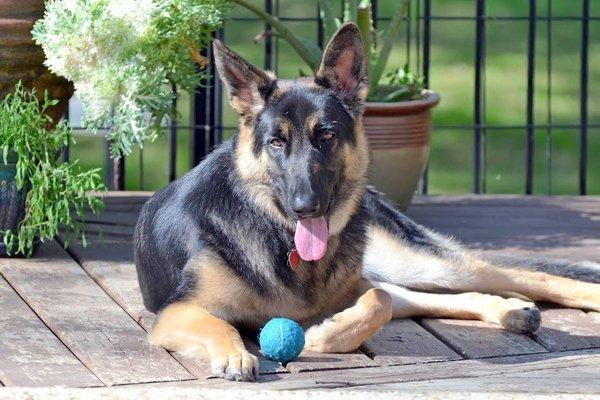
<point>12,200</point>
<point>398,135</point>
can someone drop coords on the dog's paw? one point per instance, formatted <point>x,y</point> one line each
<point>319,338</point>
<point>331,336</point>
<point>522,320</point>
<point>241,366</point>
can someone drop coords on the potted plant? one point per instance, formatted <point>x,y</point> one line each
<point>38,192</point>
<point>22,60</point>
<point>126,56</point>
<point>397,117</point>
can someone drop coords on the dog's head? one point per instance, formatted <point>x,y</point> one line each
<point>301,142</point>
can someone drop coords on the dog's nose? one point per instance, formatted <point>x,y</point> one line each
<point>305,205</point>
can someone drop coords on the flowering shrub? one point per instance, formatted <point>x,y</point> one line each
<point>123,56</point>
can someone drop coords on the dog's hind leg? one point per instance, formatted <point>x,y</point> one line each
<point>513,314</point>
<point>538,286</point>
<point>192,331</point>
<point>348,329</point>
<point>435,263</point>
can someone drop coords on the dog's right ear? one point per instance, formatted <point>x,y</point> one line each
<point>248,87</point>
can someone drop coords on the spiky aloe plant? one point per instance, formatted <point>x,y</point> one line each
<point>398,85</point>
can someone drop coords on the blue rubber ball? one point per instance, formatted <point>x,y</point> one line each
<point>281,339</point>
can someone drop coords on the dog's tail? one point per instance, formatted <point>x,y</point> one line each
<point>586,271</point>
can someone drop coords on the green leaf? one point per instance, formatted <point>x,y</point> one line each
<point>350,10</point>
<point>396,95</point>
<point>305,53</point>
<point>328,17</point>
<point>312,47</point>
<point>387,41</point>
<point>365,26</point>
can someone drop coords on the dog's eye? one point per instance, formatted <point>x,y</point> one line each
<point>328,136</point>
<point>276,142</point>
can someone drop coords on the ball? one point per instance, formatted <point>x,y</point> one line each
<point>281,339</point>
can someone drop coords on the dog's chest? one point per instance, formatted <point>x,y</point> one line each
<point>308,294</point>
<point>254,280</point>
<point>320,291</point>
<point>311,291</point>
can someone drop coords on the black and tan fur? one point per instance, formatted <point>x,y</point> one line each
<point>211,248</point>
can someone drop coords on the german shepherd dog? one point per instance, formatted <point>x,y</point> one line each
<point>278,221</point>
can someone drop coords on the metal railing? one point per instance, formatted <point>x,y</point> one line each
<point>207,128</point>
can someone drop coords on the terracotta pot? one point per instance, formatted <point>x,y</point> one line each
<point>21,59</point>
<point>398,135</point>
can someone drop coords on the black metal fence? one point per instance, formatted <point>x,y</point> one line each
<point>207,128</point>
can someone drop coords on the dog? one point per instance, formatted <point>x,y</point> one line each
<point>279,222</point>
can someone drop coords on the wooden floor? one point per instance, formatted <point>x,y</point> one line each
<point>75,318</point>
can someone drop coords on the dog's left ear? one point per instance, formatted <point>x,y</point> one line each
<point>248,87</point>
<point>344,67</point>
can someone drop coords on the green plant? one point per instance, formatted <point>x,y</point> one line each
<point>124,56</point>
<point>378,45</point>
<point>54,188</point>
<point>399,85</point>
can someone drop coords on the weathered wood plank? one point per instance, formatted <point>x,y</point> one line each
<point>540,216</point>
<point>514,207</point>
<point>589,251</point>
<point>549,227</point>
<point>30,354</point>
<point>498,232</point>
<point>403,341</point>
<point>266,366</point>
<point>312,361</point>
<point>375,378</point>
<point>549,381</point>
<point>121,232</point>
<point>124,201</point>
<point>109,217</point>
<point>493,229</point>
<point>517,201</point>
<point>567,329</point>
<point>127,197</point>
<point>477,339</point>
<point>106,340</point>
<point>110,264</point>
<point>572,246</point>
<point>124,207</point>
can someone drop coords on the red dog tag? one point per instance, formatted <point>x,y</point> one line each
<point>293,259</point>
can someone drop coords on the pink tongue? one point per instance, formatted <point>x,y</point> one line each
<point>311,238</point>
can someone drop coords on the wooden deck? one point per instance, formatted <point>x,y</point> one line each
<point>75,318</point>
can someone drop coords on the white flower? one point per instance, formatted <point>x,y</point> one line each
<point>121,55</point>
<point>136,13</point>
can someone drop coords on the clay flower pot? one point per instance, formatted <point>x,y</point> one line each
<point>21,59</point>
<point>398,135</point>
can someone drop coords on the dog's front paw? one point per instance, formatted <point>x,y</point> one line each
<point>318,338</point>
<point>241,366</point>
<point>330,337</point>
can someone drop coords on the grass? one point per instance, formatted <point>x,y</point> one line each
<point>452,75</point>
